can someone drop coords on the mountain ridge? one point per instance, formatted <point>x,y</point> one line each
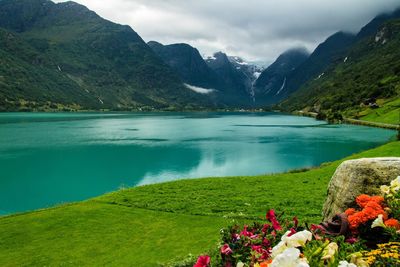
<point>107,61</point>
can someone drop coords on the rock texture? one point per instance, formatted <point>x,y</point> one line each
<point>355,177</point>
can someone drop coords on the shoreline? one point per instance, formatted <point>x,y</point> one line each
<point>373,124</point>
<point>353,121</point>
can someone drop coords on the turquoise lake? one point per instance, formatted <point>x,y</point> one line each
<point>51,158</point>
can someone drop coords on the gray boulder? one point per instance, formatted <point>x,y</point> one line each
<point>355,177</point>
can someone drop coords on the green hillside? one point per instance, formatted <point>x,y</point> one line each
<point>56,55</point>
<point>364,84</point>
<point>154,224</point>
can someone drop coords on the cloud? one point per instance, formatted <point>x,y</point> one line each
<point>253,29</point>
<point>199,90</point>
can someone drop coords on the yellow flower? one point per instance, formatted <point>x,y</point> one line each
<point>330,251</point>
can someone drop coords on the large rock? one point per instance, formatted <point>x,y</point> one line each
<point>355,177</point>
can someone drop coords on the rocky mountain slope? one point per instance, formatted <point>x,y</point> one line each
<point>366,78</point>
<point>66,56</point>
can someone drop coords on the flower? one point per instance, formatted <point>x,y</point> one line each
<point>203,261</point>
<point>266,263</point>
<point>371,208</point>
<point>351,240</point>
<point>240,264</point>
<point>272,218</point>
<point>350,211</point>
<point>393,223</point>
<point>245,232</point>
<point>378,222</point>
<point>362,200</point>
<point>385,189</point>
<point>329,251</point>
<point>226,250</point>
<point>298,239</point>
<point>289,258</point>
<point>395,184</point>
<point>346,264</point>
<point>278,249</point>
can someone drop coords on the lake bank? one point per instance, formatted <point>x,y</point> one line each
<point>150,224</point>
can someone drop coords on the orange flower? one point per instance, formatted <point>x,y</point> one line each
<point>371,208</point>
<point>350,211</point>
<point>265,263</point>
<point>362,200</point>
<point>377,199</point>
<point>393,223</point>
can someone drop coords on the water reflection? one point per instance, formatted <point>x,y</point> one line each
<point>52,158</point>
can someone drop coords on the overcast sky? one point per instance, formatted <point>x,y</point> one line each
<point>257,30</point>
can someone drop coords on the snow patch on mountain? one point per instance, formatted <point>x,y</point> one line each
<point>282,87</point>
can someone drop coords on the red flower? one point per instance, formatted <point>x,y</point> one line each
<point>266,243</point>
<point>203,261</point>
<point>245,232</point>
<point>296,222</point>
<point>226,250</point>
<point>351,240</point>
<point>292,232</point>
<point>265,228</point>
<point>263,253</point>
<point>272,218</point>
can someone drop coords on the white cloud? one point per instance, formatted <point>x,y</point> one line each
<point>199,90</point>
<point>253,29</point>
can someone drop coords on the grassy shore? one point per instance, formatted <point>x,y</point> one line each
<point>154,224</point>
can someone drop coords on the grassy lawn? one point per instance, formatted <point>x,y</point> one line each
<point>150,225</point>
<point>388,112</point>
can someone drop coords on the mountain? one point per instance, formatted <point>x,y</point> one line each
<point>373,26</point>
<point>66,56</point>
<point>188,63</point>
<point>272,81</point>
<point>251,73</point>
<point>236,89</point>
<point>365,80</point>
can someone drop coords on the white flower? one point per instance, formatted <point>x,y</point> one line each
<point>240,264</point>
<point>385,189</point>
<point>346,264</point>
<point>278,249</point>
<point>330,251</point>
<point>378,222</point>
<point>289,258</point>
<point>298,239</point>
<point>395,184</point>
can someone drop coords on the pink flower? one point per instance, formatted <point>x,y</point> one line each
<point>226,250</point>
<point>203,261</point>
<point>292,232</point>
<point>266,243</point>
<point>272,218</point>
<point>265,228</point>
<point>245,232</point>
<point>264,254</point>
<point>351,240</point>
<point>296,222</point>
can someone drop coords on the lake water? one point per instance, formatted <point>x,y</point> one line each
<point>47,159</point>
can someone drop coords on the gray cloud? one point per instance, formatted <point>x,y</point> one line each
<point>252,29</point>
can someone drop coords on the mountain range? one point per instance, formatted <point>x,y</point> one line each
<point>362,79</point>
<point>65,57</point>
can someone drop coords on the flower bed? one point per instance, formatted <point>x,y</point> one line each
<point>367,234</point>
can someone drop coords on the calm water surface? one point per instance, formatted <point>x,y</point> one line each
<point>47,159</point>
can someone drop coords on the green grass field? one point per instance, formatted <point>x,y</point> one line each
<point>389,112</point>
<point>154,224</point>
